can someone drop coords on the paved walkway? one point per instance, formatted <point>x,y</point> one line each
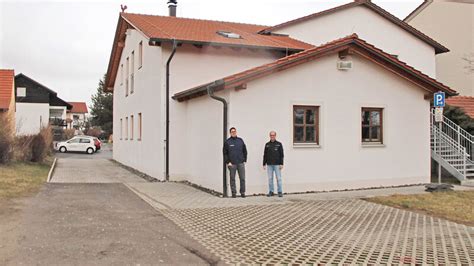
<point>91,171</point>
<point>311,228</point>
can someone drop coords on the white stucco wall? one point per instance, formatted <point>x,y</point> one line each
<point>145,155</point>
<point>371,27</point>
<point>57,111</point>
<point>30,117</point>
<point>451,23</point>
<point>190,67</point>
<point>341,162</point>
<point>203,142</point>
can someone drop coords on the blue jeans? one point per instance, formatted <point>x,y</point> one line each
<point>270,170</point>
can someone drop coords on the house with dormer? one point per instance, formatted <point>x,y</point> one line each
<point>348,91</point>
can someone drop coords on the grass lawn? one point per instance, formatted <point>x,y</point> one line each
<point>18,179</point>
<point>456,206</point>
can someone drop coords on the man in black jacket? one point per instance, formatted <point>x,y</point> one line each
<point>273,162</point>
<point>235,156</point>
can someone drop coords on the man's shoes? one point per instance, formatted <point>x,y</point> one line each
<point>280,195</point>
<point>242,195</point>
<point>270,194</point>
<point>234,196</point>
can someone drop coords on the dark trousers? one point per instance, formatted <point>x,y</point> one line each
<point>241,169</point>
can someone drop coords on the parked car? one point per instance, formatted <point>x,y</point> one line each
<point>96,140</point>
<point>84,144</point>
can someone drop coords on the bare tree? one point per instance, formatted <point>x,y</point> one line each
<point>469,58</point>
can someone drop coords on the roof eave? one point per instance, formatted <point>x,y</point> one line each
<point>200,90</point>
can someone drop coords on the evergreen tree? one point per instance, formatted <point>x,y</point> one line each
<point>102,109</point>
<point>458,116</point>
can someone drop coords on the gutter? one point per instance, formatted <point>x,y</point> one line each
<point>167,140</point>
<point>210,91</point>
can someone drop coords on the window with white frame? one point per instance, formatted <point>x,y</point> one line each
<point>140,54</point>
<point>121,128</point>
<point>131,127</point>
<point>126,77</point>
<point>126,128</point>
<point>132,69</point>
<point>121,74</point>
<point>139,126</point>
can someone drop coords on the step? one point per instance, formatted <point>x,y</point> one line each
<point>467,183</point>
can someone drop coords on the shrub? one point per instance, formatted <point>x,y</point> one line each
<point>6,138</point>
<point>69,133</point>
<point>94,132</point>
<point>38,148</point>
<point>22,148</point>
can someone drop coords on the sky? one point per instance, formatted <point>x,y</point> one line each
<point>66,45</point>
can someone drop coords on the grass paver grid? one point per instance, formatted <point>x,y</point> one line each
<point>333,231</point>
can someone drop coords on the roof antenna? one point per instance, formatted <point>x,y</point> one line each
<point>123,7</point>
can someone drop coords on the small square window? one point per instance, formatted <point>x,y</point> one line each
<point>306,124</point>
<point>21,92</point>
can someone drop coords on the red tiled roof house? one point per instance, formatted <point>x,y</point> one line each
<point>347,90</point>
<point>7,97</point>
<point>76,117</point>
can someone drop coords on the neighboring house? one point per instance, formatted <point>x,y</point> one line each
<point>348,91</point>
<point>451,23</point>
<point>37,106</point>
<point>76,116</point>
<point>7,96</point>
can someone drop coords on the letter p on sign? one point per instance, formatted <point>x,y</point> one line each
<point>439,98</point>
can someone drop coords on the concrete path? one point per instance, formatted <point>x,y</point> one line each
<point>320,228</point>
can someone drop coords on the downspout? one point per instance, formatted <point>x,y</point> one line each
<point>210,92</point>
<point>167,141</point>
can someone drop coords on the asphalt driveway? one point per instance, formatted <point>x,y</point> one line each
<point>91,168</point>
<point>92,224</point>
<point>87,216</point>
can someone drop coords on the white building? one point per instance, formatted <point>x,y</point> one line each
<point>37,106</point>
<point>452,23</point>
<point>323,82</point>
<point>76,116</point>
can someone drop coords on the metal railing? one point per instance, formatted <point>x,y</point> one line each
<point>448,149</point>
<point>456,133</point>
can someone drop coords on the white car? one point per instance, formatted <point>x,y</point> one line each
<point>78,143</point>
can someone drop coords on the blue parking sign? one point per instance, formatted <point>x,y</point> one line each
<point>439,99</point>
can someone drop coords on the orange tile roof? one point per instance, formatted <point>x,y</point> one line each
<point>7,78</point>
<point>195,31</point>
<point>78,107</point>
<point>352,43</point>
<point>439,48</point>
<point>205,31</point>
<point>464,102</point>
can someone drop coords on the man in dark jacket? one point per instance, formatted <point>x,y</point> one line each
<point>273,162</point>
<point>235,156</point>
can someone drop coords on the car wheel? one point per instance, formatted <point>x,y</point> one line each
<point>90,150</point>
<point>63,149</point>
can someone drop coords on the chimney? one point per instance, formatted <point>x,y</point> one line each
<point>172,7</point>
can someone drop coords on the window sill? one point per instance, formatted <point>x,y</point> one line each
<point>373,145</point>
<point>306,145</point>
